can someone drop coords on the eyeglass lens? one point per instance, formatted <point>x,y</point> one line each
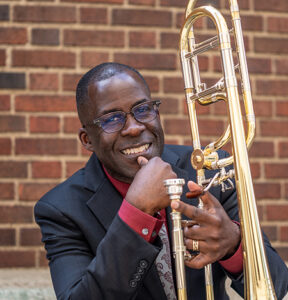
<point>115,121</point>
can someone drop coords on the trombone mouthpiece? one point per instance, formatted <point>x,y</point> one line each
<point>174,187</point>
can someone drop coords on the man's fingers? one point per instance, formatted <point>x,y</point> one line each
<point>198,262</point>
<point>142,161</point>
<point>192,212</point>
<point>196,190</point>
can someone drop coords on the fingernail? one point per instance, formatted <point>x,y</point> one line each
<point>175,204</point>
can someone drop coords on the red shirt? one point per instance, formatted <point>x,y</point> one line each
<point>148,227</point>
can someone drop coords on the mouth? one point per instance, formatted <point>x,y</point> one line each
<point>136,150</point>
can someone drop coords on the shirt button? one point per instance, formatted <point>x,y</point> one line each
<point>145,231</point>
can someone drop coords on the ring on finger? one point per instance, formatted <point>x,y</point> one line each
<point>195,245</point>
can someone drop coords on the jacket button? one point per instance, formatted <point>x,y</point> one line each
<point>133,283</point>
<point>137,277</point>
<point>143,264</point>
<point>140,270</point>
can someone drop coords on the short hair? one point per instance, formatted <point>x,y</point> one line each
<point>99,73</point>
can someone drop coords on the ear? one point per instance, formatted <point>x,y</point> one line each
<point>84,138</point>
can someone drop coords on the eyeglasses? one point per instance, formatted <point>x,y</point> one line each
<point>115,121</point>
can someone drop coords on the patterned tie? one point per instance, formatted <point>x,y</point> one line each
<point>163,264</point>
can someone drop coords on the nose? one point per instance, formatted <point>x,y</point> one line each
<point>132,127</point>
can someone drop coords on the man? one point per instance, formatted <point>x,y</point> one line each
<point>105,228</point>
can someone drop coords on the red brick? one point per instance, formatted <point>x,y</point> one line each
<point>153,83</point>
<point>262,108</point>
<point>177,3</point>
<point>255,170</point>
<point>267,190</point>
<point>16,214</point>
<point>169,40</point>
<point>276,170</point>
<point>13,169</point>
<point>93,15</point>
<point>44,14</point>
<point>271,45</point>
<point>145,39</point>
<point>278,25</point>
<point>99,38</point>
<point>5,146</point>
<point>173,85</point>
<point>149,61</point>
<point>91,59</point>
<point>271,232</point>
<point>44,124</point>
<point>71,125</point>
<point>180,126</point>
<point>180,18</point>
<point>282,108</point>
<point>43,261</point>
<point>272,87</point>
<point>282,66</point>
<point>13,36</point>
<point>30,237</point>
<point>49,37</point>
<point>6,191</point>
<point>272,5</point>
<point>95,1</point>
<point>17,259</point>
<point>262,149</point>
<point>33,191</point>
<point>12,123</point>
<point>283,149</point>
<point>2,57</point>
<point>251,23</point>
<point>7,237</point>
<point>44,82</point>
<point>169,106</point>
<point>73,166</point>
<point>284,233</point>
<point>42,103</point>
<point>286,190</point>
<point>4,102</point>
<point>46,169</point>
<point>142,17</point>
<point>259,65</point>
<point>142,2</point>
<point>43,58</point>
<point>274,128</point>
<point>60,146</point>
<point>277,212</point>
<point>70,81</point>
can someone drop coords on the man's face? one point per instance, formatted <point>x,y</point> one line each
<point>118,151</point>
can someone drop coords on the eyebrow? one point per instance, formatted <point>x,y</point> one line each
<point>118,109</point>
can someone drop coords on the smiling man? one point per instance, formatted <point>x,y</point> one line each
<point>107,229</point>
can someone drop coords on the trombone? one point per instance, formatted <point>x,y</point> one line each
<point>258,284</point>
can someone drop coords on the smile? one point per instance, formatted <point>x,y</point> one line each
<point>137,150</point>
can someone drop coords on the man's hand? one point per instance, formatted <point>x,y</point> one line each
<point>147,191</point>
<point>217,235</point>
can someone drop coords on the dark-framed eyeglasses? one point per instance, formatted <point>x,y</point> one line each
<point>115,121</point>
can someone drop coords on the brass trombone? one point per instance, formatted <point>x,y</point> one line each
<point>258,284</point>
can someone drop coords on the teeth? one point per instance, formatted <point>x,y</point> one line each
<point>136,150</point>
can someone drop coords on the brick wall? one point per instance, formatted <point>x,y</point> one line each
<point>47,45</point>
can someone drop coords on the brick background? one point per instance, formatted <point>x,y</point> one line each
<point>45,46</point>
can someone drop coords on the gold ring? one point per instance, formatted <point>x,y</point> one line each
<point>195,245</point>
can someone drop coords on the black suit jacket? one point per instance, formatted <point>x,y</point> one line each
<point>93,254</point>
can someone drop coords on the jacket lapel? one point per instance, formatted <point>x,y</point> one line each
<point>106,201</point>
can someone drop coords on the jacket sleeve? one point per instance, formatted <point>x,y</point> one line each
<point>115,272</point>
